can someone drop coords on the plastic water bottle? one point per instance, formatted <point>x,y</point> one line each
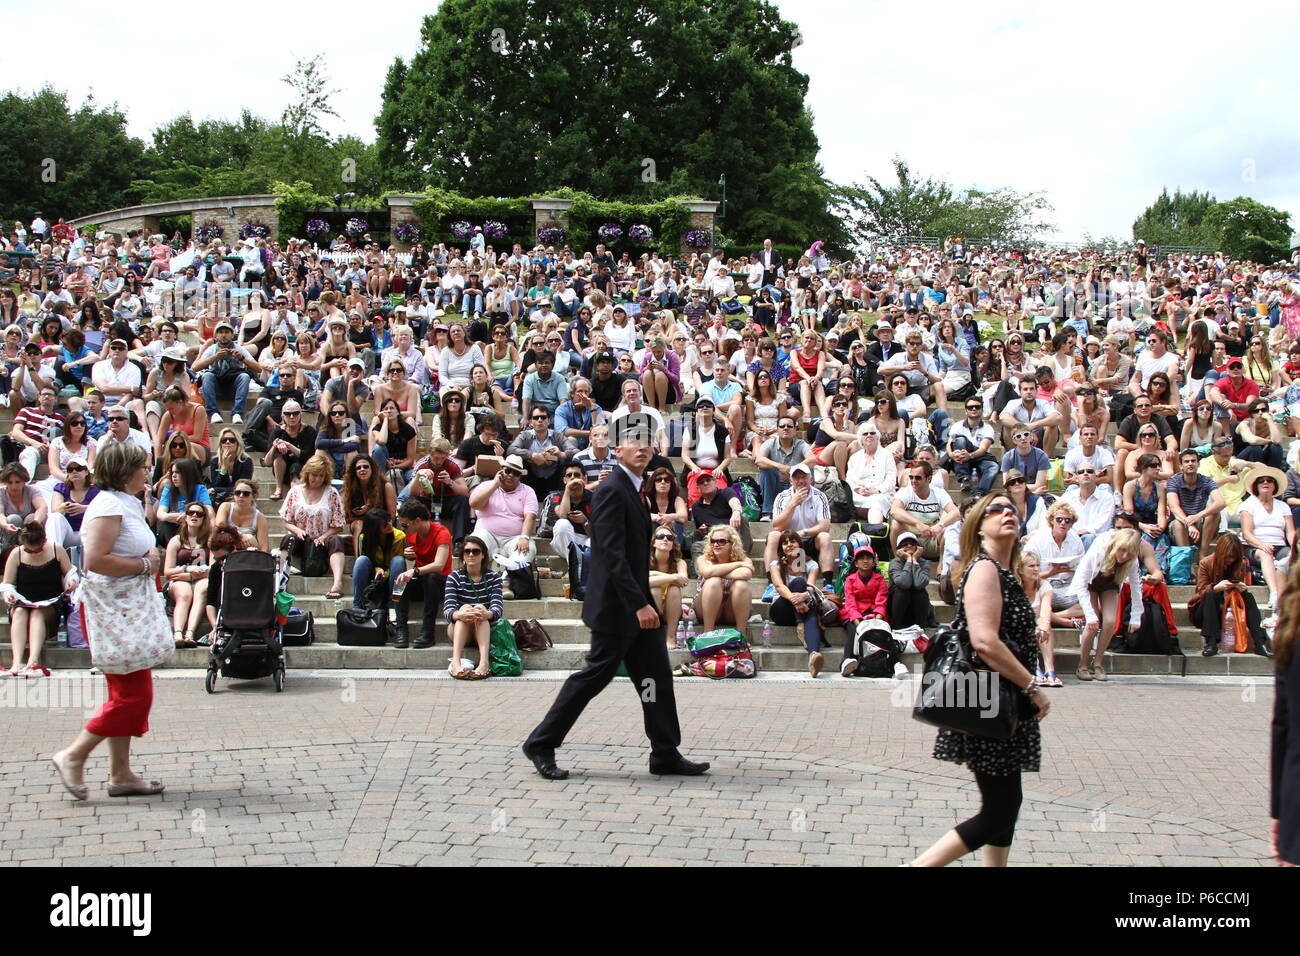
<point>767,633</point>
<point>1228,641</point>
<point>690,633</point>
<point>681,635</point>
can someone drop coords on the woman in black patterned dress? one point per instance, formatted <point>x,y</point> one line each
<point>1002,634</point>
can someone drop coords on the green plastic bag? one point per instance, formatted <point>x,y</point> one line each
<point>715,638</point>
<point>430,403</point>
<point>284,603</point>
<point>504,653</point>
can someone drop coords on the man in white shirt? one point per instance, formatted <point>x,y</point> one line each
<point>1088,453</point>
<point>803,509</point>
<point>1094,505</point>
<point>722,285</point>
<point>120,430</point>
<point>1156,358</point>
<point>1043,420</point>
<point>632,403</point>
<point>1059,550</point>
<point>119,380</point>
<point>922,508</point>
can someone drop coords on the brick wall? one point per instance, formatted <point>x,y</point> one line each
<point>230,225</point>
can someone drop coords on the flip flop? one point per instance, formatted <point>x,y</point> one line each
<point>333,594</point>
<point>79,791</point>
<point>36,670</point>
<point>276,495</point>
<point>149,789</point>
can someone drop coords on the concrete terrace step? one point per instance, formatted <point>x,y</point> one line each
<point>563,657</point>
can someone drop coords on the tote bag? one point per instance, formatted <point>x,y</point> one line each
<point>125,622</point>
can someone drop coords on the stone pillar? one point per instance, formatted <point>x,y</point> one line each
<point>401,209</point>
<point>702,216</point>
<point>232,217</point>
<point>551,212</point>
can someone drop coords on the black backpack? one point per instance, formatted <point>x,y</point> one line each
<point>1152,635</point>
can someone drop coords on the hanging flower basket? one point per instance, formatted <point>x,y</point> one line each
<point>254,230</point>
<point>610,232</point>
<point>641,234</point>
<point>356,226</point>
<point>698,238</point>
<point>407,232</point>
<point>316,228</point>
<point>551,235</point>
<point>493,229</point>
<point>208,232</point>
<point>462,229</point>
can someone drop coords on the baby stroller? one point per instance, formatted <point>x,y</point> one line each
<point>247,642</point>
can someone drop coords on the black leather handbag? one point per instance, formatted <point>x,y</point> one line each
<point>957,694</point>
<point>298,630</point>
<point>362,626</point>
<point>367,625</point>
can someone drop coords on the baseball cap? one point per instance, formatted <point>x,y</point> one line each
<point>906,538</point>
<point>705,402</point>
<point>861,550</point>
<point>1235,361</point>
<point>357,363</point>
<point>801,467</point>
<point>602,357</point>
<point>223,325</point>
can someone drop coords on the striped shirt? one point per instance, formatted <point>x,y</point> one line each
<point>461,590</point>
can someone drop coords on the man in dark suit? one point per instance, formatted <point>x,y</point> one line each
<point>625,626</point>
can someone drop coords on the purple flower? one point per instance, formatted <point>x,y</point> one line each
<point>254,230</point>
<point>356,226</point>
<point>407,232</point>
<point>641,234</point>
<point>208,232</point>
<point>698,238</point>
<point>317,228</point>
<point>492,229</point>
<point>550,235</point>
<point>610,232</point>
<point>461,229</point>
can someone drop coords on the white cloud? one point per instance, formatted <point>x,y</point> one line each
<point>1100,104</point>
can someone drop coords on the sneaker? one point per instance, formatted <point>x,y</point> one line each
<point>1269,622</point>
<point>765,516</point>
<point>507,595</point>
<point>216,418</point>
<point>901,672</point>
<point>236,419</point>
<point>4,400</point>
<point>293,570</point>
<point>849,667</point>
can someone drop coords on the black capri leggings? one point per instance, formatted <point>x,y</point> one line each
<point>995,824</point>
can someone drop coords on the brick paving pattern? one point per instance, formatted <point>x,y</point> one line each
<point>373,769</point>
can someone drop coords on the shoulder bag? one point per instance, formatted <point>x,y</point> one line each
<point>958,694</point>
<point>126,623</point>
<point>531,636</point>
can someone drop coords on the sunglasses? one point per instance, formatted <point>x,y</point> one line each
<point>77,468</point>
<point>195,514</point>
<point>291,414</point>
<point>974,408</point>
<point>468,551</point>
<point>1013,482</point>
<point>224,441</point>
<point>720,541</point>
<point>1063,519</point>
<point>243,493</point>
<point>338,414</point>
<point>117,348</point>
<point>663,537</point>
<point>998,508</point>
<point>540,418</point>
<point>116,418</point>
<point>510,473</point>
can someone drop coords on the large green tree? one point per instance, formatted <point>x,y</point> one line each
<point>633,101</point>
<point>917,206</point>
<point>1176,220</point>
<point>1246,229</point>
<point>62,161</point>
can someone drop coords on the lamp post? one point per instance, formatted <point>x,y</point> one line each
<point>722,181</point>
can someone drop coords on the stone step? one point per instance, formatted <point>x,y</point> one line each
<point>564,657</point>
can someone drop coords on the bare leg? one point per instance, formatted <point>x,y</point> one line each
<point>710,603</point>
<point>18,626</point>
<point>459,638</point>
<point>996,855</point>
<point>336,565</point>
<point>1109,605</point>
<point>741,603</point>
<point>671,611</point>
<point>947,848</point>
<point>196,608</point>
<point>483,635</point>
<point>183,595</point>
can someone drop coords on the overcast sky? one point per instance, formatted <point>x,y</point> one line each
<point>1098,104</point>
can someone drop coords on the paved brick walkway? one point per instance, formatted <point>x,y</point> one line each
<point>368,768</point>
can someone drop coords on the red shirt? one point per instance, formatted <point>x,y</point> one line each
<point>1248,390</point>
<point>426,548</point>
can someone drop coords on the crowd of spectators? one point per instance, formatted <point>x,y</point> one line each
<point>380,388</point>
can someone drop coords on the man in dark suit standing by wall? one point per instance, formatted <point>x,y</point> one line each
<point>625,626</point>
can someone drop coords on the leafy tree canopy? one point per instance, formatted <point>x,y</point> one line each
<point>635,101</point>
<point>1176,220</point>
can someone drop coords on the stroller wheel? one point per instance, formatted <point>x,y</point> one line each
<point>279,678</point>
<point>210,681</point>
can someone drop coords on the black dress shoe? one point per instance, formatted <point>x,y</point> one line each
<point>1210,649</point>
<point>1262,648</point>
<point>422,642</point>
<point>402,639</point>
<point>544,760</point>
<point>680,767</point>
